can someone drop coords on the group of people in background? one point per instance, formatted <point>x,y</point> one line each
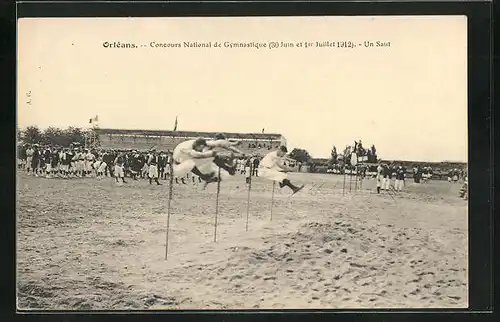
<point>78,162</point>
<point>386,172</point>
<point>248,166</point>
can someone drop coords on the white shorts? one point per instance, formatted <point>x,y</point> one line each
<point>119,171</point>
<point>399,185</point>
<point>48,167</point>
<point>88,165</point>
<point>379,181</point>
<point>153,171</point>
<point>81,165</point>
<point>64,167</point>
<point>102,167</point>
<point>272,174</point>
<point>386,183</point>
<point>29,161</point>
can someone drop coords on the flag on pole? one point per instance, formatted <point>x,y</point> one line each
<point>93,120</point>
<point>175,125</point>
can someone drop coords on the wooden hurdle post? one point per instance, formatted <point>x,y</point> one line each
<point>170,192</point>
<point>248,197</point>
<point>361,180</point>
<point>343,185</point>
<point>356,179</point>
<point>216,207</point>
<point>350,179</point>
<point>272,200</point>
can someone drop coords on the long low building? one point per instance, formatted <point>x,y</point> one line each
<point>252,143</point>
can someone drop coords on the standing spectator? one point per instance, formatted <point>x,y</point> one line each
<point>35,163</point>
<point>118,171</point>
<point>70,154</point>
<point>248,169</point>
<point>65,162</point>
<point>162,163</point>
<point>21,156</point>
<point>400,178</point>
<point>418,173</point>
<point>153,167</point>
<point>89,161</point>
<point>108,158</point>
<point>47,165</point>
<point>380,176</point>
<point>256,163</point>
<point>29,158</point>
<point>386,183</point>
<point>54,162</point>
<point>136,165</point>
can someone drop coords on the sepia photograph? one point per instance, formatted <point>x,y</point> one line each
<point>235,163</point>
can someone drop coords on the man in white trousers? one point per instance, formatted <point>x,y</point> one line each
<point>197,156</point>
<point>153,161</point>
<point>400,179</point>
<point>386,182</point>
<point>118,171</point>
<point>380,177</point>
<point>272,168</point>
<point>89,160</point>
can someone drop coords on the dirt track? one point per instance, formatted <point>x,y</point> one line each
<point>89,244</point>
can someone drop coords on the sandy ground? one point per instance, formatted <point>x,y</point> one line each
<point>87,244</point>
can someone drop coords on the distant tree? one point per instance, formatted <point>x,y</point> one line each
<point>347,155</point>
<point>19,134</point>
<point>75,134</point>
<point>372,154</point>
<point>300,155</point>
<point>55,136</point>
<point>32,135</point>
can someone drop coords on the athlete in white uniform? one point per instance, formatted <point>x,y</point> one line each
<point>272,167</point>
<point>89,160</point>
<point>197,156</point>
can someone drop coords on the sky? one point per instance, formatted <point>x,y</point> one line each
<point>408,98</point>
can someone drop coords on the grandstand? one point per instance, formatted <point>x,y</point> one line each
<point>142,140</point>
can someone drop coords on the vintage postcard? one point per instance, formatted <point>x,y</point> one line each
<point>242,163</point>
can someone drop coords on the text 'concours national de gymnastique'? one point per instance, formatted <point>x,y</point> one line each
<point>269,45</point>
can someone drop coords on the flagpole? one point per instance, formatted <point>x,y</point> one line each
<point>175,124</point>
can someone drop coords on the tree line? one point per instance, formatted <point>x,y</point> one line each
<point>64,137</point>
<point>53,136</point>
<point>303,156</point>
